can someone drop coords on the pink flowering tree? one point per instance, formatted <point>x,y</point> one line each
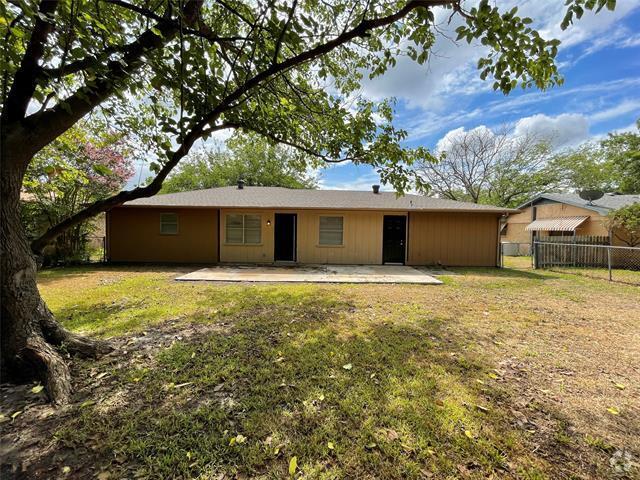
<point>85,164</point>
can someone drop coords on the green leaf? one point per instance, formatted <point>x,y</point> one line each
<point>37,389</point>
<point>102,169</point>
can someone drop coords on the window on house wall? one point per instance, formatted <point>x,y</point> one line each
<point>243,229</point>
<point>169,223</point>
<point>331,230</point>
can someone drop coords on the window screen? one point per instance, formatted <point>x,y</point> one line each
<point>243,229</point>
<point>252,229</point>
<point>331,230</point>
<point>168,223</point>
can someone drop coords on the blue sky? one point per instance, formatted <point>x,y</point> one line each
<point>599,58</point>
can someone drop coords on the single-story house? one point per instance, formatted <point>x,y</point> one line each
<point>272,224</point>
<point>563,214</point>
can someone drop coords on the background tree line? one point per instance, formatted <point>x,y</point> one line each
<point>500,168</point>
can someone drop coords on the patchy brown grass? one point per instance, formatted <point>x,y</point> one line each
<point>505,373</point>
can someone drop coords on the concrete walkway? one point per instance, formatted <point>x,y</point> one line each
<point>313,274</point>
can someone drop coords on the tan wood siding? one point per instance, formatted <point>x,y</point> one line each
<point>362,238</point>
<point>453,239</point>
<point>594,225</point>
<point>456,239</point>
<point>260,253</point>
<point>134,235</point>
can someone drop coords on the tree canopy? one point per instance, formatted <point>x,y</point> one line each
<point>251,158</point>
<point>483,166</point>
<point>611,165</point>
<point>623,151</point>
<point>85,164</point>
<point>625,224</point>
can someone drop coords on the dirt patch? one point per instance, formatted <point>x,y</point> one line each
<point>28,447</point>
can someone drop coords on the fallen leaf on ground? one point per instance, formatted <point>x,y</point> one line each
<point>392,434</point>
<point>348,366</point>
<point>239,439</point>
<point>330,445</point>
<point>37,389</point>
<point>293,465</point>
<point>613,411</point>
<point>468,434</point>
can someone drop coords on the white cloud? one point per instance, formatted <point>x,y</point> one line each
<point>562,131</point>
<point>429,123</point>
<point>626,106</point>
<point>565,130</point>
<point>445,143</point>
<point>451,78</point>
<point>361,182</point>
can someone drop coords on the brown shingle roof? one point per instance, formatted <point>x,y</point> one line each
<point>277,197</point>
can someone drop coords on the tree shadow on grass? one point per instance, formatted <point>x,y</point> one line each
<point>48,276</point>
<point>294,375</point>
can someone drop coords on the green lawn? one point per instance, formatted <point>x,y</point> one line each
<point>509,373</point>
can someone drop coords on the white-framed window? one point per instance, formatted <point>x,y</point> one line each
<point>331,230</point>
<point>243,229</point>
<point>168,223</point>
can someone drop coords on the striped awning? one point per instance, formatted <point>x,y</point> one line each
<point>558,224</point>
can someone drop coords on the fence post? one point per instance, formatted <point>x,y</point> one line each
<point>609,261</point>
<point>535,254</point>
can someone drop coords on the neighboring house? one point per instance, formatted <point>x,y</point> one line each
<point>563,214</point>
<point>272,224</point>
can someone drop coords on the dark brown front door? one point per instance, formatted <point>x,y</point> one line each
<point>394,238</point>
<point>285,237</point>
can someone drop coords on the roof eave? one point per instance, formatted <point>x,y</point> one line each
<point>596,208</point>
<point>382,209</point>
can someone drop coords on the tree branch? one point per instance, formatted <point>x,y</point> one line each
<point>44,127</point>
<point>25,79</point>
<point>200,128</point>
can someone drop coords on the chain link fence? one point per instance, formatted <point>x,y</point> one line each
<point>92,250</point>
<point>96,251</point>
<point>515,255</point>
<point>613,263</point>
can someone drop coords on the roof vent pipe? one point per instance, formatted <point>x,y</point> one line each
<point>240,184</point>
<point>376,188</point>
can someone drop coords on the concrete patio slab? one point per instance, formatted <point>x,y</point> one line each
<point>313,274</point>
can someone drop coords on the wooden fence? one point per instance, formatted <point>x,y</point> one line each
<point>578,251</point>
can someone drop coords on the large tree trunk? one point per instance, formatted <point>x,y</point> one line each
<point>29,332</point>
